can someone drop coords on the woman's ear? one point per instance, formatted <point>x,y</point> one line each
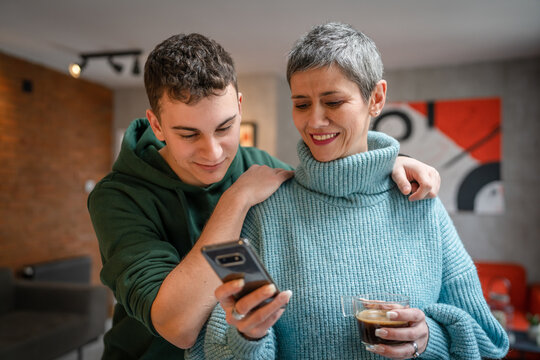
<point>155,124</point>
<point>378,98</point>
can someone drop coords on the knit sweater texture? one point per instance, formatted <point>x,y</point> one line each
<point>146,220</point>
<point>343,228</point>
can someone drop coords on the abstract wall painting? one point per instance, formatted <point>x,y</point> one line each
<point>461,139</point>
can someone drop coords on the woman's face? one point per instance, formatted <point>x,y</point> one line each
<point>329,113</point>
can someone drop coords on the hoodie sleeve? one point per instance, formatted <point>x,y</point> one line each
<point>135,258</point>
<point>461,325</point>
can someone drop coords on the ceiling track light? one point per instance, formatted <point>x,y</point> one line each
<point>116,66</point>
<point>75,69</point>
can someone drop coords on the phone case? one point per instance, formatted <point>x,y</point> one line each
<point>238,260</point>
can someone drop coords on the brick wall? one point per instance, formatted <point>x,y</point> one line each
<point>55,134</point>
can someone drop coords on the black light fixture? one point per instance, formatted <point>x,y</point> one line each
<point>116,66</point>
<point>75,69</point>
<point>136,69</point>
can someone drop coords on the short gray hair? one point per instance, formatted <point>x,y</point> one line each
<point>342,45</point>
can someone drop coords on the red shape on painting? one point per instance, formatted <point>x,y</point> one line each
<point>472,124</point>
<point>421,107</point>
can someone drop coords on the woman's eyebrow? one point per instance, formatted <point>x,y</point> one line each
<point>325,93</point>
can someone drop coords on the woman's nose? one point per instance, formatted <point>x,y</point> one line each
<point>318,117</point>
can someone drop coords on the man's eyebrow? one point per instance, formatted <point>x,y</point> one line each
<point>187,128</point>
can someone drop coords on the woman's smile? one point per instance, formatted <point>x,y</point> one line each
<point>324,138</point>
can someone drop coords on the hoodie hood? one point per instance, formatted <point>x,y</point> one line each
<point>139,157</point>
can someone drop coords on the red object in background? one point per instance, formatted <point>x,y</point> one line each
<point>490,274</point>
<point>523,298</point>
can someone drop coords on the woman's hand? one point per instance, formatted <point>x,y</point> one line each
<point>417,332</point>
<point>415,178</point>
<point>252,323</point>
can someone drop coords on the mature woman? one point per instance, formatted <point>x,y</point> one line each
<point>329,232</point>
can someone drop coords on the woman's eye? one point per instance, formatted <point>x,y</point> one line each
<point>334,103</point>
<point>301,106</point>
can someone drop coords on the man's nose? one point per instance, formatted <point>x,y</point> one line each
<point>211,149</point>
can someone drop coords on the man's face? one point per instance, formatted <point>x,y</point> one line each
<point>201,139</point>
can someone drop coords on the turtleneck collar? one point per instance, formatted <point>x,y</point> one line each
<point>353,177</point>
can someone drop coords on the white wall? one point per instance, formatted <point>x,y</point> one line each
<point>129,104</point>
<point>260,105</point>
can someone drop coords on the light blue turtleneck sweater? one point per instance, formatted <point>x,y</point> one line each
<point>343,228</point>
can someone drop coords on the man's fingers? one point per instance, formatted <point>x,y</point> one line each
<point>414,187</point>
<point>400,178</point>
<point>419,192</point>
<point>287,174</point>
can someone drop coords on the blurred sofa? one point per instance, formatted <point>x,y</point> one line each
<point>44,319</point>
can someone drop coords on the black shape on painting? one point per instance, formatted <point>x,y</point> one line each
<point>402,116</point>
<point>474,182</point>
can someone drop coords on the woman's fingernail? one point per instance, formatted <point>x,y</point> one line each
<point>240,283</point>
<point>381,332</point>
<point>270,289</point>
<point>374,348</point>
<point>391,314</point>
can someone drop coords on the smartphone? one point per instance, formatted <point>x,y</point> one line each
<point>238,260</point>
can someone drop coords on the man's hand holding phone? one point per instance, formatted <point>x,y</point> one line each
<point>255,321</point>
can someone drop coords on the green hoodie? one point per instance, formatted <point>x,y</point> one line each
<point>146,220</point>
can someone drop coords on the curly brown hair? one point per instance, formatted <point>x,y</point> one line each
<point>187,68</point>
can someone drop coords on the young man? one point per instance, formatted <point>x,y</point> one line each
<point>181,182</point>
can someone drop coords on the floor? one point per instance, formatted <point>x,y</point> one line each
<point>91,351</point>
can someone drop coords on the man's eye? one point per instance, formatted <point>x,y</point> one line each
<point>223,129</point>
<point>190,136</point>
<point>301,106</point>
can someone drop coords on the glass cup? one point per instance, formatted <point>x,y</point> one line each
<point>370,313</point>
